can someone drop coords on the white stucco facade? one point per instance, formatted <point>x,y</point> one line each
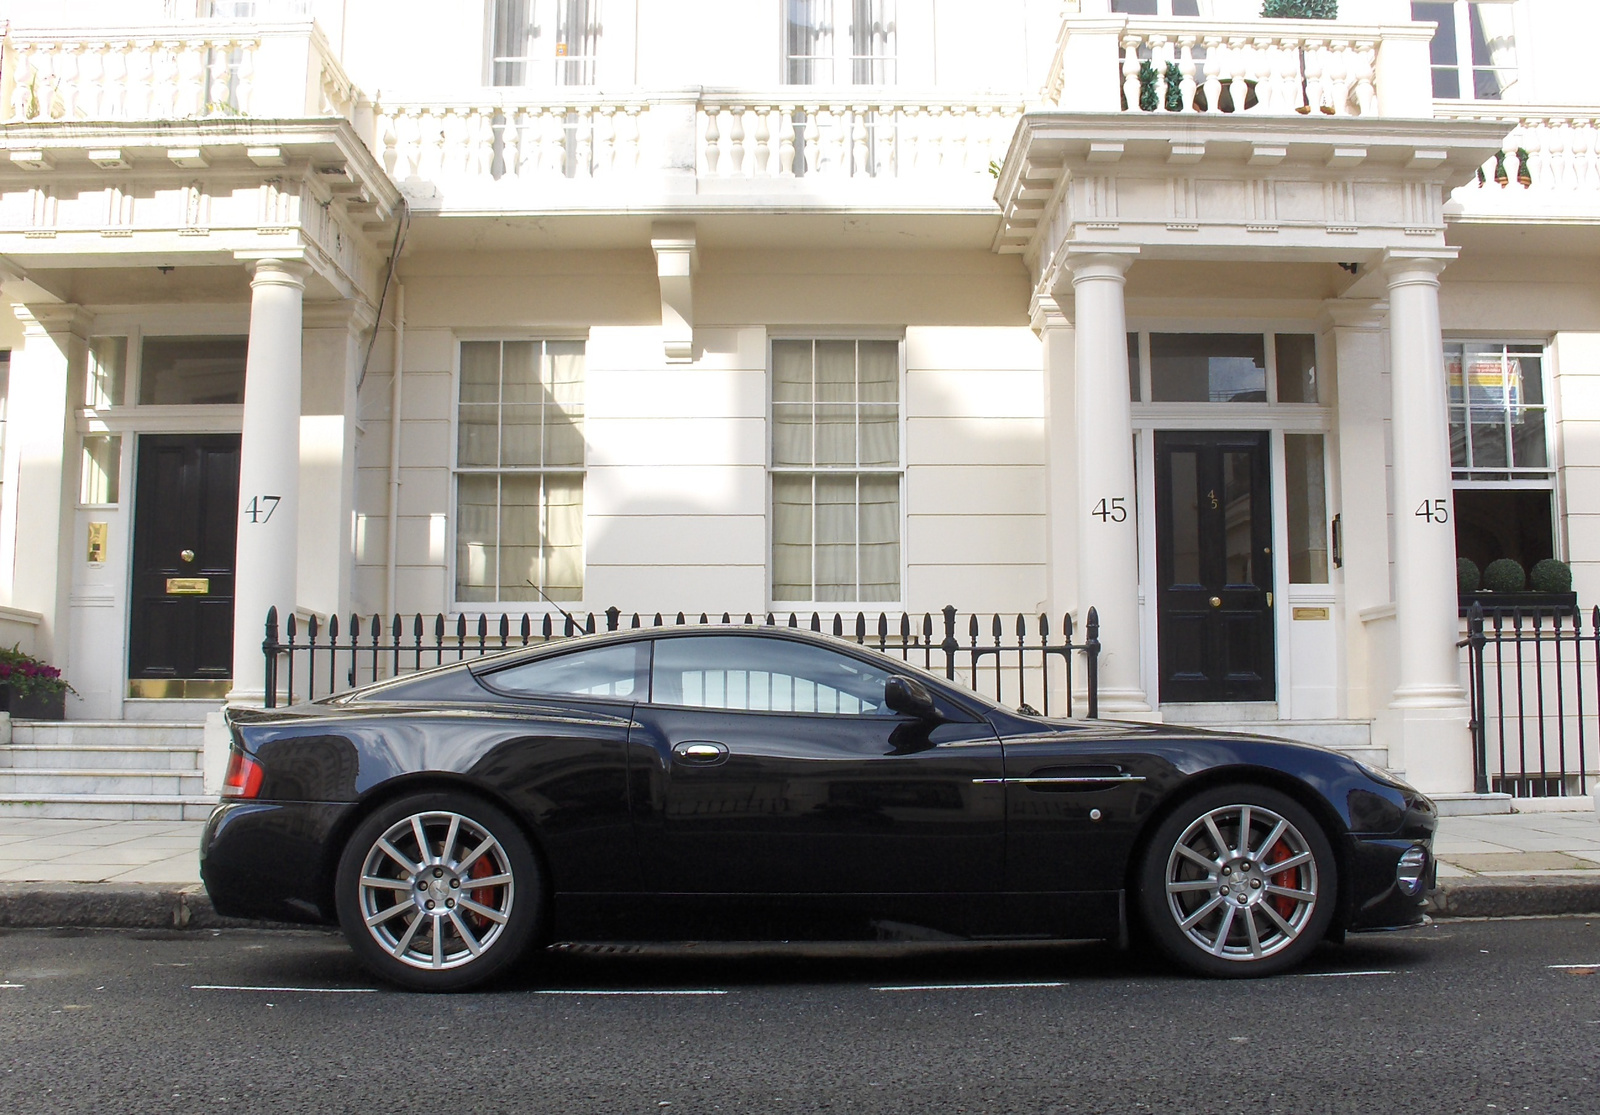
<point>356,194</point>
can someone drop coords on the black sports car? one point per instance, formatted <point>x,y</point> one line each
<point>760,783</point>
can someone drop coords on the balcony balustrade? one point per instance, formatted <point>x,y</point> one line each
<point>1268,67</point>
<point>176,73</point>
<point>1548,168</point>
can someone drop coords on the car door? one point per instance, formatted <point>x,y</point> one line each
<point>768,764</point>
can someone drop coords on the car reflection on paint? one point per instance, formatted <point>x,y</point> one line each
<point>763,783</point>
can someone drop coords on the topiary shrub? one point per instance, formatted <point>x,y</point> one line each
<point>1299,9</point>
<point>1504,575</point>
<point>1468,578</point>
<point>1551,575</point>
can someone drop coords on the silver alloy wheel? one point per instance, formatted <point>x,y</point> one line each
<point>1241,882</point>
<point>436,890</point>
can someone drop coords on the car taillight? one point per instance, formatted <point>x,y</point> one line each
<point>244,776</point>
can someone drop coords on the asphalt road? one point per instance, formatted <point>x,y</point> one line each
<point>1460,1017</point>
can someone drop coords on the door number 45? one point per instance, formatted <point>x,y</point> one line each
<point>1111,510</point>
<point>1435,511</point>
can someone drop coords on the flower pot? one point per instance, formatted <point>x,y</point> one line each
<point>1566,603</point>
<point>33,706</point>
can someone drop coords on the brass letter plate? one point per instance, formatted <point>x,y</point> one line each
<point>1307,613</point>
<point>188,586</point>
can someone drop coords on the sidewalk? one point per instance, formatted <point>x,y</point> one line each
<point>1491,866</point>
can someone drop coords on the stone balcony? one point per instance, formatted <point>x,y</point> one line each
<point>1546,171</point>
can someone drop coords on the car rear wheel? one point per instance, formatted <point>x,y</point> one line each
<point>439,892</point>
<point>1239,882</point>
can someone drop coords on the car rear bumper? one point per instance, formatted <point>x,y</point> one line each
<point>272,860</point>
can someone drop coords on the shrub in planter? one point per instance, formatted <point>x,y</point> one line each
<point>1551,575</point>
<point>1300,9</point>
<point>1468,578</point>
<point>31,688</point>
<point>1504,575</point>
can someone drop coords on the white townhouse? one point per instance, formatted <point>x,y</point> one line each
<point>1238,329</point>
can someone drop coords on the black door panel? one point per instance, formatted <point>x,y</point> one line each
<point>1214,567</point>
<point>185,519</point>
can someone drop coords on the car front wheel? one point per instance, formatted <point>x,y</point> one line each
<point>438,892</point>
<point>1238,881</point>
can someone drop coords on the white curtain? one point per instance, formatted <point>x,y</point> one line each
<point>1494,34</point>
<point>807,45</point>
<point>510,43</point>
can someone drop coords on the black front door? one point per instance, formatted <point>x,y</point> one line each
<point>1214,567</point>
<point>185,516</point>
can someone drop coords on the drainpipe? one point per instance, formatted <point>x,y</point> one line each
<point>395,388</point>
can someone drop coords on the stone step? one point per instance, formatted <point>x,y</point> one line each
<point>108,807</point>
<point>1344,735</point>
<point>182,710</point>
<point>108,733</point>
<point>21,781</point>
<point>89,756</point>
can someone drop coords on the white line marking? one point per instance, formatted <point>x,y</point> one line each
<point>1328,975</point>
<point>12,985</point>
<point>1557,967</point>
<point>308,990</point>
<point>575,991</point>
<point>964,986</point>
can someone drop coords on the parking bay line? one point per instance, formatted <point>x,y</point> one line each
<point>612,992</point>
<point>285,990</point>
<point>1573,967</point>
<point>12,986</point>
<point>1329,975</point>
<point>966,986</point>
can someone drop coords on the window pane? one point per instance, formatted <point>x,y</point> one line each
<point>1442,50</point>
<point>836,435</point>
<point>480,371</point>
<point>1308,509</point>
<point>791,371</point>
<point>1237,518</point>
<point>594,672</point>
<point>108,362</point>
<point>791,434</point>
<point>477,501</point>
<point>1208,367</point>
<point>807,45</point>
<point>563,374</point>
<point>563,538</point>
<point>872,42</point>
<point>879,532</point>
<point>1494,523</point>
<point>510,46</point>
<point>880,371</point>
<point>519,435</point>
<point>102,469</point>
<point>1185,518</point>
<point>176,371</point>
<point>1134,7</point>
<point>836,538</point>
<point>791,538</point>
<point>1528,440</point>
<point>880,436</point>
<point>577,41</point>
<point>836,371</point>
<point>519,536</point>
<point>747,672</point>
<point>519,372</point>
<point>563,439</point>
<point>1296,355</point>
<point>478,439</point>
<point>1133,366</point>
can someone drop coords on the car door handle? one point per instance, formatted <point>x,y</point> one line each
<point>700,752</point>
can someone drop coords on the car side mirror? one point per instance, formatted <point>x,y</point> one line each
<point>909,697</point>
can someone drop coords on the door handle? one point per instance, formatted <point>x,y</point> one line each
<point>1216,601</point>
<point>700,752</point>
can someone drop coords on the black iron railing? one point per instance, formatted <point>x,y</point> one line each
<point>1534,689</point>
<point>1017,659</point>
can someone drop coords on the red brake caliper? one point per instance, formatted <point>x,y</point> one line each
<point>483,896</point>
<point>1282,902</point>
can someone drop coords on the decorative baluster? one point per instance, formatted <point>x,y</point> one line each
<point>1364,93</point>
<point>713,149</point>
<point>1561,165</point>
<point>736,160</point>
<point>193,75</point>
<point>628,142</point>
<point>1216,63</point>
<point>786,151</point>
<point>1317,79</point>
<point>959,149</point>
<point>1186,67</point>
<point>21,106</point>
<point>888,141</point>
<point>583,161</point>
<point>1583,132</point>
<point>91,81</point>
<point>66,69</point>
<point>859,166</point>
<point>1130,72</point>
<point>244,85</point>
<point>908,144</point>
<point>1338,74</point>
<point>429,144</point>
<point>483,133</point>
<point>46,66</point>
<point>511,144</point>
<point>763,152</point>
<point>167,77</point>
<point>554,131</point>
<point>216,78</point>
<point>605,127</point>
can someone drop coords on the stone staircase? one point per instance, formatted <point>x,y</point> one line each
<point>113,770</point>
<point>1353,737</point>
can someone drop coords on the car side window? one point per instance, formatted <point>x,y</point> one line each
<point>751,673</point>
<point>614,671</point>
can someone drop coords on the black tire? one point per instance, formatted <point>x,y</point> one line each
<point>1237,917</point>
<point>436,926</point>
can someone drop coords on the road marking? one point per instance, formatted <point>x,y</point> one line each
<point>1588,968</point>
<point>308,990</point>
<point>576,991</point>
<point>1327,975</point>
<point>12,985</point>
<point>964,986</point>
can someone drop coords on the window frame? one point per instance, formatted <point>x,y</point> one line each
<point>539,605</point>
<point>1465,69</point>
<point>544,67</point>
<point>840,54</point>
<point>772,471</point>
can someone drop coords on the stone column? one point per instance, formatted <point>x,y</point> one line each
<point>269,468</point>
<point>1428,705</point>
<point>1106,525</point>
<point>1061,466</point>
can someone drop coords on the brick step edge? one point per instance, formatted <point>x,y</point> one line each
<point>116,906</point>
<point>1512,896</point>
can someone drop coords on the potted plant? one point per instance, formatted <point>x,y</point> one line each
<point>1505,585</point>
<point>31,689</point>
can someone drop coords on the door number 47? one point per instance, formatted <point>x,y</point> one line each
<point>260,508</point>
<point>1435,511</point>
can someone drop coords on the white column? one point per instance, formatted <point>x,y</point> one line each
<point>1106,526</point>
<point>1428,702</point>
<point>269,469</point>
